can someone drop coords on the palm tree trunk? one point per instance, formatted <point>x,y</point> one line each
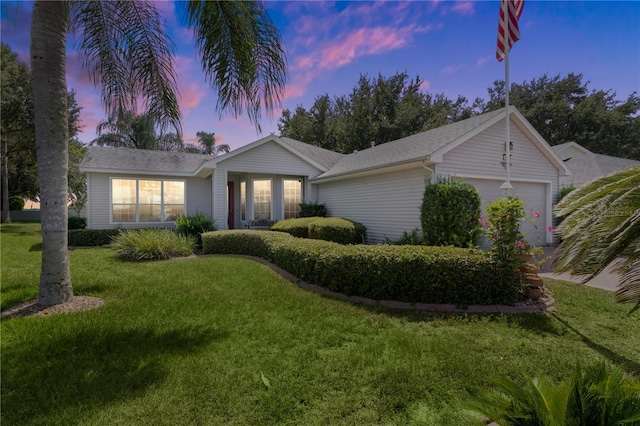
<point>49,24</point>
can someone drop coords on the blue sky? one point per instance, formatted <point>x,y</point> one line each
<point>449,44</point>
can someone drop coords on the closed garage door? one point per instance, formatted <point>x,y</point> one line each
<point>534,195</point>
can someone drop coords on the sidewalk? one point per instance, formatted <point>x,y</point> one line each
<point>606,280</point>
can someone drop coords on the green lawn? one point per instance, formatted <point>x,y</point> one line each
<point>189,341</point>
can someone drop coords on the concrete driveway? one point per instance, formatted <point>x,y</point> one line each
<point>606,280</point>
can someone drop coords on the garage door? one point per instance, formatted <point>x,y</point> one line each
<point>535,198</point>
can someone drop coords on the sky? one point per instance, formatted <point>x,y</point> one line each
<point>450,45</point>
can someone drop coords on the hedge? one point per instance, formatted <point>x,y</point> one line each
<point>91,237</point>
<point>416,274</point>
<point>334,229</point>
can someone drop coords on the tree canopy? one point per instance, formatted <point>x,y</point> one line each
<point>565,109</point>
<point>18,133</point>
<point>377,110</point>
<point>562,109</point>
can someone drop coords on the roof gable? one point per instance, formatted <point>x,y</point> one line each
<point>431,145</point>
<point>319,158</point>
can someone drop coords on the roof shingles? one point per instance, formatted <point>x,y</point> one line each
<point>142,160</point>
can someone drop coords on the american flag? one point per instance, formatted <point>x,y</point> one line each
<point>514,11</point>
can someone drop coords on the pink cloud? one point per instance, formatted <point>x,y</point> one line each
<point>362,42</point>
<point>302,63</point>
<point>191,95</point>
<point>480,62</point>
<point>465,8</point>
<point>425,85</point>
<point>452,69</point>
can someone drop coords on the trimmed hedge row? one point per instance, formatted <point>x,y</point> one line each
<point>334,229</point>
<point>417,274</point>
<point>91,237</point>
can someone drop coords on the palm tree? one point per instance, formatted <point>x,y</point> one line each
<point>129,56</point>
<point>601,225</point>
<point>208,142</point>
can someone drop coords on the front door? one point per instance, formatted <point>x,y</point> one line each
<point>230,205</point>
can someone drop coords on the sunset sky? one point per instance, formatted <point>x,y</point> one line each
<point>450,45</point>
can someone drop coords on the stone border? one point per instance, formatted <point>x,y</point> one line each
<point>545,305</point>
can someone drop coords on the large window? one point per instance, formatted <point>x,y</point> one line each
<point>243,200</point>
<point>292,197</point>
<point>143,200</point>
<point>262,199</point>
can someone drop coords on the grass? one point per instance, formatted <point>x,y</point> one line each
<point>223,340</point>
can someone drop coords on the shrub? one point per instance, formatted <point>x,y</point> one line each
<point>593,396</point>
<point>297,227</point>
<point>564,191</point>
<point>334,229</point>
<point>16,202</point>
<point>413,238</point>
<point>195,225</point>
<point>91,237</point>
<point>151,244</point>
<point>418,274</point>
<point>338,230</point>
<point>449,214</point>
<point>76,222</point>
<point>312,210</point>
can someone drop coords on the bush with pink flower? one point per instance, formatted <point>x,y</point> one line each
<point>502,228</point>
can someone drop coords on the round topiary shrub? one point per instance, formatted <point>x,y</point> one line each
<point>16,203</point>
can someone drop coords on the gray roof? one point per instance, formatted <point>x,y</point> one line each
<point>322,156</point>
<point>141,161</point>
<point>414,147</point>
<point>590,166</point>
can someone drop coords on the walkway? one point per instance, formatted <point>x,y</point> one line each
<point>606,280</point>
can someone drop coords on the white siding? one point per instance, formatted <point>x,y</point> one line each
<point>533,177</point>
<point>269,158</point>
<point>536,197</point>
<point>387,203</point>
<point>198,199</point>
<point>482,155</point>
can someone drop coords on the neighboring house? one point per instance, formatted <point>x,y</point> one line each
<point>381,187</point>
<point>586,166</point>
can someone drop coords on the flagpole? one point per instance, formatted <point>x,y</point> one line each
<point>507,185</point>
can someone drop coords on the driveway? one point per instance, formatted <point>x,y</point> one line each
<point>606,280</point>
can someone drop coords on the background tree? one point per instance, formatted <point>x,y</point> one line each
<point>20,176</point>
<point>601,225</point>
<point>565,109</point>
<point>130,57</point>
<point>376,111</point>
<point>208,142</point>
<point>16,135</point>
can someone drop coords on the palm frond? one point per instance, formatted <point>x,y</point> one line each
<point>129,55</point>
<point>629,287</point>
<point>242,54</point>
<point>601,225</point>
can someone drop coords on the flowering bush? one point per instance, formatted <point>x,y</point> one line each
<point>502,227</point>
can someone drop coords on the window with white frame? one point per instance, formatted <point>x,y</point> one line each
<point>146,200</point>
<point>292,189</point>
<point>243,200</point>
<point>262,199</point>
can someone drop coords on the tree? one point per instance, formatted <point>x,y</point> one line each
<point>376,111</point>
<point>129,56</point>
<point>16,134</point>
<point>208,142</point>
<point>601,225</point>
<point>20,171</point>
<point>564,109</point>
